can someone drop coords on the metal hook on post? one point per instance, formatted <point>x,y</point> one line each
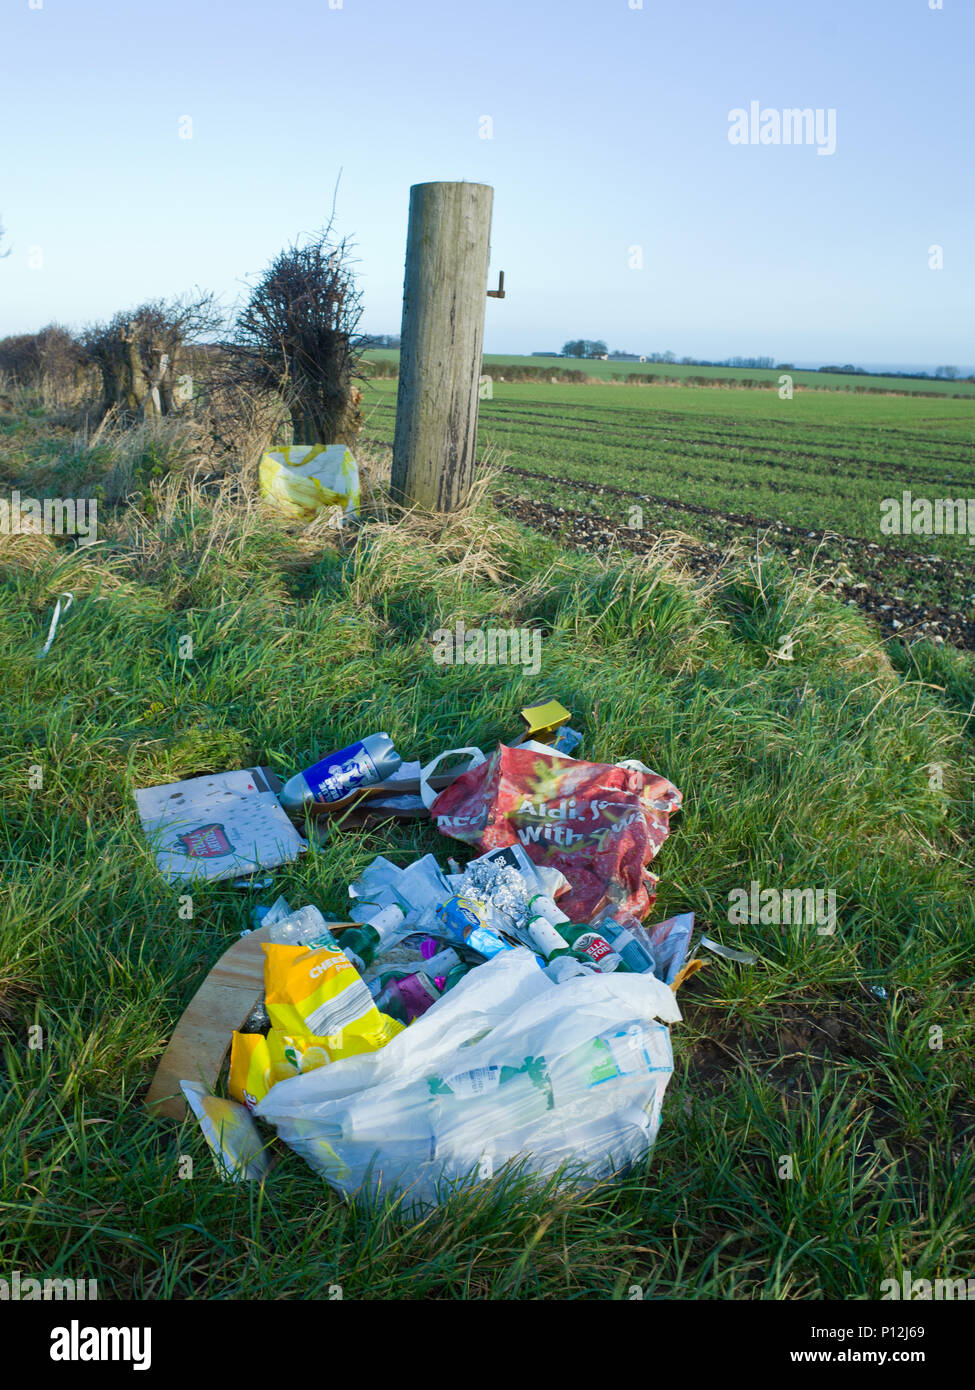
<point>499,292</point>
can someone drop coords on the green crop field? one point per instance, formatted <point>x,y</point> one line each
<point>721,465</point>
<point>663,372</point>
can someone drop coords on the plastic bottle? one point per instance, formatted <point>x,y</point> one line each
<point>610,1057</point>
<point>362,944</point>
<point>370,760</point>
<point>506,1097</point>
<point>304,927</point>
<point>436,965</point>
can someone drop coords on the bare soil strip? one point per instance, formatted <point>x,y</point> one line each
<point>868,587</point>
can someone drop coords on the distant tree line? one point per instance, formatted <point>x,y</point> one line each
<point>380,340</point>
<point>596,348</point>
<point>585,347</point>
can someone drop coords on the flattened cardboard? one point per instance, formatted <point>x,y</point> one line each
<point>216,827</point>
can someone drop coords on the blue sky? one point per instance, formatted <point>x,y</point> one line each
<point>609,132</point>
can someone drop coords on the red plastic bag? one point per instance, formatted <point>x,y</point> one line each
<point>599,824</point>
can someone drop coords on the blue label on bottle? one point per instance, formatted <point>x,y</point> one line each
<point>340,773</point>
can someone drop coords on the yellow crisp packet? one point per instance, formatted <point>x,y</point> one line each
<point>319,993</point>
<point>258,1063</point>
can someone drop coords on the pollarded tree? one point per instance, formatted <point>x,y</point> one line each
<point>297,334</point>
<point>138,351</point>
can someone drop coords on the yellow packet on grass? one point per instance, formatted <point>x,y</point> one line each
<point>320,993</point>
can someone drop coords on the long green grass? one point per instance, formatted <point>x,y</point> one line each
<point>816,1137</point>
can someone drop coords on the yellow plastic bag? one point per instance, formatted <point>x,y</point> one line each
<point>305,478</point>
<point>320,993</point>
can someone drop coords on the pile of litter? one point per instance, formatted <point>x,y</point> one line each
<point>515,1008</point>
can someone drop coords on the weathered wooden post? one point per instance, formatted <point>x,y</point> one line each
<point>447,253</point>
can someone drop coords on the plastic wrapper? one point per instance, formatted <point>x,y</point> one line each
<point>304,479</point>
<point>259,1061</point>
<point>420,887</point>
<point>506,1066</point>
<point>234,1139</point>
<point>467,920</point>
<point>320,993</point>
<point>670,942</point>
<point>600,825</point>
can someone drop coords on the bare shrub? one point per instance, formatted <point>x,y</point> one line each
<point>297,335</point>
<point>238,419</point>
<point>51,363</point>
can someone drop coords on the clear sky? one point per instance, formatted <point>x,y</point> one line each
<point>609,131</point>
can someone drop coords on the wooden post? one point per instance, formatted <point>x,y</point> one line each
<point>444,293</point>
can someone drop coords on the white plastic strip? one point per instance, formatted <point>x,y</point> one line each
<point>728,953</point>
<point>58,614</point>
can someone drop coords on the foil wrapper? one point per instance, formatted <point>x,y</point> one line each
<point>503,890</point>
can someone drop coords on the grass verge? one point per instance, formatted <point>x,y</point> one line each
<point>816,1137</point>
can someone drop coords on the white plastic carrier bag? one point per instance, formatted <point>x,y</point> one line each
<point>506,1066</point>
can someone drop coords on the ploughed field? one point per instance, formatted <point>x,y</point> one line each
<point>606,465</point>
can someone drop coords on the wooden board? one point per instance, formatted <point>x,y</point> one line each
<point>201,1039</point>
<point>202,1036</point>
